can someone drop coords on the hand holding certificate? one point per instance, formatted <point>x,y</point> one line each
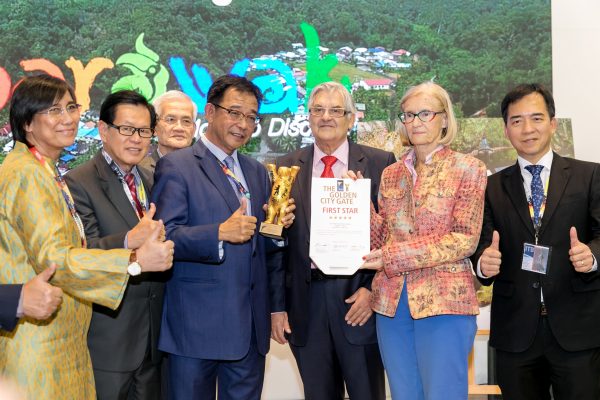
<point>340,224</point>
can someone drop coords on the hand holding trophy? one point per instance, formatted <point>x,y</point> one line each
<point>282,179</point>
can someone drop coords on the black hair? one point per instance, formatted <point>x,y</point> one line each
<point>108,109</point>
<point>523,90</point>
<point>218,88</point>
<point>32,95</point>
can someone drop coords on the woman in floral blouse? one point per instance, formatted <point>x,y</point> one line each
<point>430,216</point>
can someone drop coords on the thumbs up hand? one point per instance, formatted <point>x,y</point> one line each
<point>40,298</point>
<point>239,227</point>
<point>580,254</point>
<point>491,258</point>
<point>139,233</point>
<point>155,254</point>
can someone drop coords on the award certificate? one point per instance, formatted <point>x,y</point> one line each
<point>340,224</point>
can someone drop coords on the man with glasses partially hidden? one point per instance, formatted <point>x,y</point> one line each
<point>175,126</point>
<point>327,319</point>
<point>111,194</point>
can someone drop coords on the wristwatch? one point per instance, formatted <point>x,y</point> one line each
<point>134,268</point>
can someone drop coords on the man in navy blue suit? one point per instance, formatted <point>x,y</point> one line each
<point>36,299</point>
<point>216,318</point>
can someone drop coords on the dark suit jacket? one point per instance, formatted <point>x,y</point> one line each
<point>9,301</point>
<point>149,162</point>
<point>572,298</point>
<point>211,305</point>
<point>296,280</point>
<point>117,339</point>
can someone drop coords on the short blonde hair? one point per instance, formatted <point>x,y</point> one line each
<point>443,98</point>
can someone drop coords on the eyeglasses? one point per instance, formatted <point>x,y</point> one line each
<point>333,112</point>
<point>185,122</point>
<point>424,115</point>
<point>56,111</point>
<point>238,116</point>
<point>126,130</point>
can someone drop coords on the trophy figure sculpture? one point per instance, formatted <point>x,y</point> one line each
<point>282,179</point>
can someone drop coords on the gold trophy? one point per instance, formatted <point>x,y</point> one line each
<point>282,179</point>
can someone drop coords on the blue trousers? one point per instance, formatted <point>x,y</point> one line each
<point>426,359</point>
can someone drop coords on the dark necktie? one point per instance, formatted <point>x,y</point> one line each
<point>537,191</point>
<point>327,171</point>
<point>130,180</point>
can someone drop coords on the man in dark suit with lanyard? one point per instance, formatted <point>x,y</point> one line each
<point>111,195</point>
<point>545,321</point>
<point>328,319</point>
<point>216,319</point>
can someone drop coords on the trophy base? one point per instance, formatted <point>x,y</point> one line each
<point>272,231</point>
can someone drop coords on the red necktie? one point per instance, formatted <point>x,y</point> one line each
<point>327,171</point>
<point>130,180</point>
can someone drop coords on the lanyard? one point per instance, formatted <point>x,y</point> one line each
<point>62,185</point>
<point>234,179</point>
<point>139,189</point>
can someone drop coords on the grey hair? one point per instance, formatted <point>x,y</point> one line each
<point>174,95</point>
<point>332,87</point>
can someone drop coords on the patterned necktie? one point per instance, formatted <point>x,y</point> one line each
<point>230,162</point>
<point>327,171</point>
<point>130,180</point>
<point>537,192</point>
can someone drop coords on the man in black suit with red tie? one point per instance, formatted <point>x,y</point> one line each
<point>328,319</point>
<point>545,325</point>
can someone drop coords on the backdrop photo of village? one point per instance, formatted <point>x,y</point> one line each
<point>377,48</point>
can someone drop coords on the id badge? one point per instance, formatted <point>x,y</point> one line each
<point>536,258</point>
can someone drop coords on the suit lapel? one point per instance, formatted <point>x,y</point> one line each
<point>210,165</point>
<point>513,186</point>
<point>357,161</point>
<point>303,184</point>
<point>147,179</point>
<point>113,188</point>
<point>559,177</point>
<point>155,157</point>
<point>251,173</point>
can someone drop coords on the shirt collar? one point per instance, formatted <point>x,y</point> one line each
<point>217,152</point>
<point>341,153</point>
<point>411,156</point>
<point>121,173</point>
<point>545,161</point>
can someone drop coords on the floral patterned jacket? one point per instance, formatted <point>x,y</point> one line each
<point>427,231</point>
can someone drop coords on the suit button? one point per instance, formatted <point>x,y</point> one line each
<point>153,296</point>
<point>536,285</point>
